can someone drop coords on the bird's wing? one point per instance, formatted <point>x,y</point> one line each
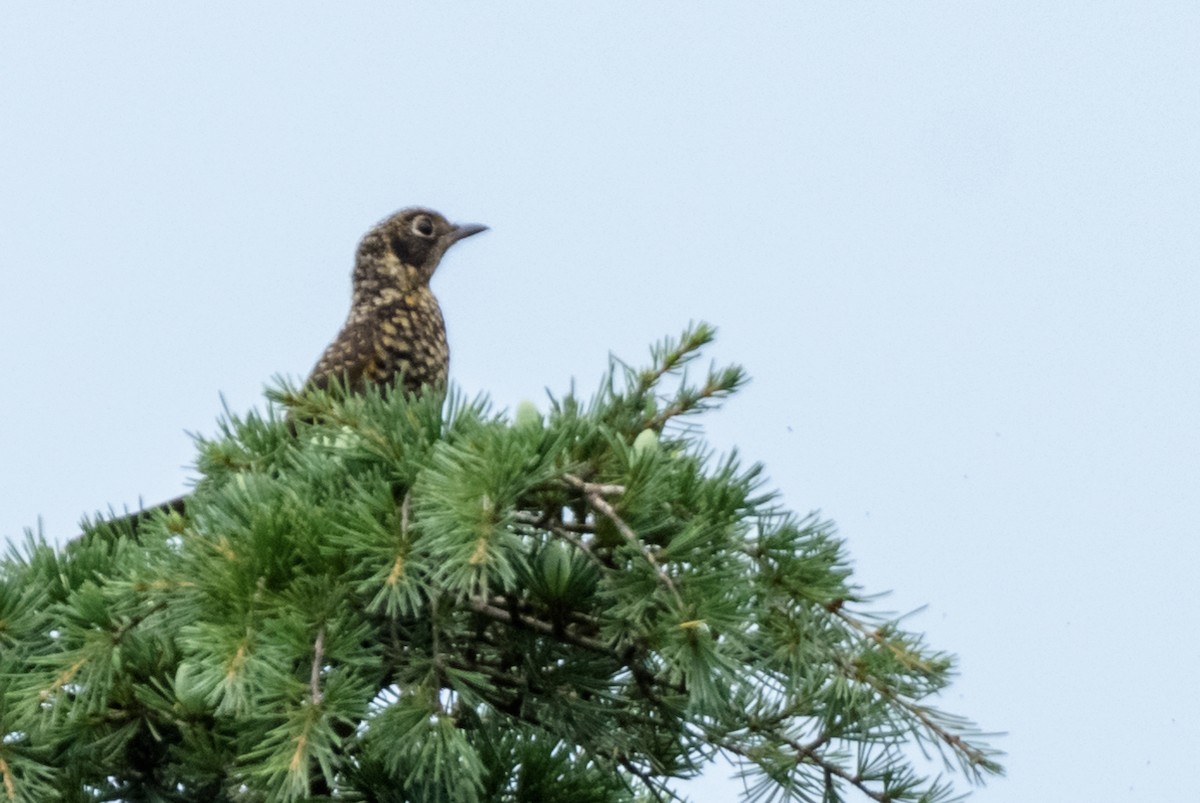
<point>350,357</point>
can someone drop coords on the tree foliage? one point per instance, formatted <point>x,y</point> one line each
<point>387,598</point>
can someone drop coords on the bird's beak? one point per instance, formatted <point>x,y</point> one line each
<point>464,230</point>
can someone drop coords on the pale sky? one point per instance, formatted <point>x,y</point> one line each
<point>955,244</point>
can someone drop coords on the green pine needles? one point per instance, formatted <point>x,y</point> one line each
<point>381,598</point>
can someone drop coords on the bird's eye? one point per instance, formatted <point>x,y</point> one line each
<point>423,226</point>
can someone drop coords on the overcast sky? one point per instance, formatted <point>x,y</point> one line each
<point>955,244</point>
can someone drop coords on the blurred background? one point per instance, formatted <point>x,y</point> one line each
<point>955,245</point>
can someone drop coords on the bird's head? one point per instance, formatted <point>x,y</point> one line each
<point>404,250</point>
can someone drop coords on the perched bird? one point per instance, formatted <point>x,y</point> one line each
<point>395,328</point>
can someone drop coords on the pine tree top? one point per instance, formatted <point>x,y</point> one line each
<point>383,597</point>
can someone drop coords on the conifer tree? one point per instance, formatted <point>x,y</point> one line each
<point>388,598</point>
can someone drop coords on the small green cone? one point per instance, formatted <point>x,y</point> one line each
<point>528,416</point>
<point>646,442</point>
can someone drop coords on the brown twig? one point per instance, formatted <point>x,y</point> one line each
<point>806,754</point>
<point>518,619</point>
<point>314,680</point>
<point>645,777</point>
<point>975,756</point>
<point>563,531</point>
<point>711,388</point>
<point>595,496</point>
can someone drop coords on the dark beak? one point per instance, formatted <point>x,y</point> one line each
<point>464,230</point>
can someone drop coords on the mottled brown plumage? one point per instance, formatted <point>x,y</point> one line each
<point>395,326</point>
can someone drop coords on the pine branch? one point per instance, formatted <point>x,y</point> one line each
<point>369,599</point>
<point>594,493</point>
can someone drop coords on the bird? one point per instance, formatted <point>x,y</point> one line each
<point>394,334</point>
